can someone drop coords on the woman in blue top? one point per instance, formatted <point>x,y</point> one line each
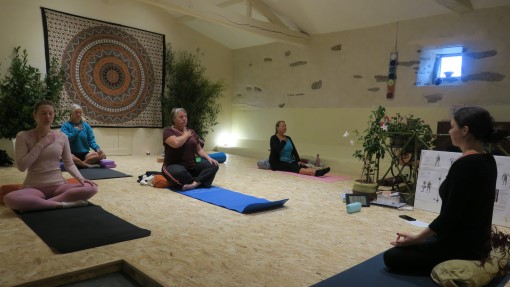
<point>81,139</point>
<point>284,155</point>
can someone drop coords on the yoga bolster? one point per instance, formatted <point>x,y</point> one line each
<point>219,156</point>
<point>353,207</point>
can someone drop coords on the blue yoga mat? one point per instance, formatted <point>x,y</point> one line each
<point>233,200</point>
<point>373,272</point>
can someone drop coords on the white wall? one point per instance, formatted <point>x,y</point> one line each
<point>21,25</point>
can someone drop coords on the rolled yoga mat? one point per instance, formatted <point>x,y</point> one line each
<point>233,200</point>
<point>73,229</point>
<point>220,157</point>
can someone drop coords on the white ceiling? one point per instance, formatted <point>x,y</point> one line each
<point>312,16</point>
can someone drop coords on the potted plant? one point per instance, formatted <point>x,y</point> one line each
<point>407,136</point>
<point>373,150</point>
<point>21,88</point>
<point>408,133</point>
<point>402,136</point>
<point>187,87</point>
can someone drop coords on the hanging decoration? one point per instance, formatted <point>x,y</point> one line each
<point>114,72</point>
<point>392,71</point>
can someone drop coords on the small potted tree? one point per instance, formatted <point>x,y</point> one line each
<point>21,88</point>
<point>373,150</point>
<point>187,87</point>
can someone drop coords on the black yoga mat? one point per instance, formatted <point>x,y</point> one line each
<point>73,229</point>
<point>101,173</point>
<point>374,273</point>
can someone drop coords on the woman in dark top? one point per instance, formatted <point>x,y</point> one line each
<point>284,155</point>
<point>463,228</point>
<point>181,147</point>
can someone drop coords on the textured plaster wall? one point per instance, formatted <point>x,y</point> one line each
<point>331,86</point>
<point>349,69</point>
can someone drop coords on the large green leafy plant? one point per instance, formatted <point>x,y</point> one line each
<point>22,88</point>
<point>187,87</point>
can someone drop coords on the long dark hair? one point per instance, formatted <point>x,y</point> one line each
<point>499,242</point>
<point>480,124</point>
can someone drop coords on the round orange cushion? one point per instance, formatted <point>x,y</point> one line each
<point>6,188</point>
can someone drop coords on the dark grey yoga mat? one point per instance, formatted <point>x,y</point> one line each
<point>73,229</point>
<point>101,173</point>
<point>373,272</point>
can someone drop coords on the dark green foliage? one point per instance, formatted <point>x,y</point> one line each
<point>380,129</point>
<point>21,89</point>
<point>373,146</point>
<point>188,88</point>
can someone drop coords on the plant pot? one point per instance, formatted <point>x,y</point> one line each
<point>368,189</point>
<point>397,141</point>
<point>448,74</point>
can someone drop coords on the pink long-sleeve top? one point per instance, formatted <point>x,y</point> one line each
<point>43,163</point>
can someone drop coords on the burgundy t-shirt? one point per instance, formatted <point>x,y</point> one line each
<point>185,154</point>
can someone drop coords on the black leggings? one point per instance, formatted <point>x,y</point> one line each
<point>287,166</point>
<point>203,172</point>
<point>420,259</point>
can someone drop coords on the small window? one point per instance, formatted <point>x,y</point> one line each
<point>450,66</point>
<point>441,66</point>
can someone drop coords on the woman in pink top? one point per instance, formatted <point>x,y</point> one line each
<point>39,151</point>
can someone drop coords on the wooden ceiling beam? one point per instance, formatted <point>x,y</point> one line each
<point>203,10</point>
<point>459,6</point>
<point>229,3</point>
<point>267,12</point>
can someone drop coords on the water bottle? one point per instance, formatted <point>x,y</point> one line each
<point>317,161</point>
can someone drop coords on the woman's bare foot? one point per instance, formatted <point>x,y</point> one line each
<point>192,185</point>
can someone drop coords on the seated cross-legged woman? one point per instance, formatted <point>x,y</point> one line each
<point>284,155</point>
<point>38,151</point>
<point>462,230</point>
<point>82,139</point>
<point>181,147</point>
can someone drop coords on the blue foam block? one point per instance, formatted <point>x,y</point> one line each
<point>233,200</point>
<point>353,207</point>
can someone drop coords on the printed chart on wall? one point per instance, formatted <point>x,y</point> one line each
<point>434,166</point>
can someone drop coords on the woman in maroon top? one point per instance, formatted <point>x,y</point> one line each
<point>181,147</point>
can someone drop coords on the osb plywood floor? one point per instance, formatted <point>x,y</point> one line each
<point>198,244</point>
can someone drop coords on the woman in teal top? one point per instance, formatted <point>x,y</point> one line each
<point>284,155</point>
<point>82,140</point>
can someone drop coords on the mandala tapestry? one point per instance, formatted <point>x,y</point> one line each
<point>114,72</point>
